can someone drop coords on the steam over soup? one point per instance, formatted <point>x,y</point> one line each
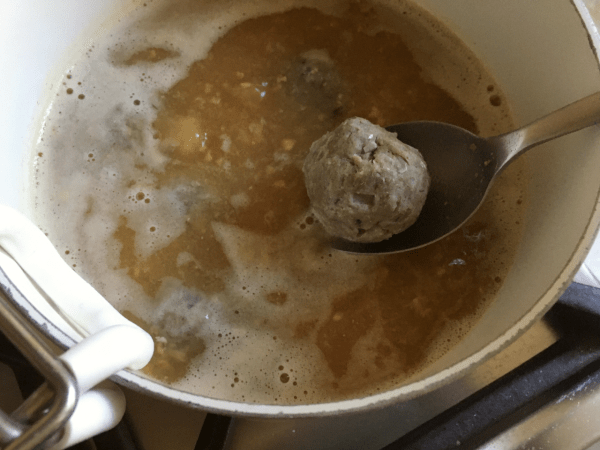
<point>169,174</point>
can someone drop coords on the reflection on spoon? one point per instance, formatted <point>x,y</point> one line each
<point>463,166</point>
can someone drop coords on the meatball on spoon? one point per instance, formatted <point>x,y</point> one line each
<point>364,184</point>
<point>463,166</point>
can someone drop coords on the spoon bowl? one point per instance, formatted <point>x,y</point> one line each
<point>463,166</point>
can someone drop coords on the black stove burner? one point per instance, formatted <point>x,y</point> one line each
<point>566,366</point>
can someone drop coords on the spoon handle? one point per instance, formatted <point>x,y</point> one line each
<point>573,117</point>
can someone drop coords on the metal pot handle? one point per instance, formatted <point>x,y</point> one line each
<point>107,343</point>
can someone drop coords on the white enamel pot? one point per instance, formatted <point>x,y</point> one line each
<point>542,54</point>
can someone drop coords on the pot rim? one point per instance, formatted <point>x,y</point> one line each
<point>405,392</point>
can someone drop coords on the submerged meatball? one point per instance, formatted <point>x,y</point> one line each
<point>313,80</point>
<point>364,184</point>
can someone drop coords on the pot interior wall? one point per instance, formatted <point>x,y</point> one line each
<point>542,59</point>
<point>35,39</point>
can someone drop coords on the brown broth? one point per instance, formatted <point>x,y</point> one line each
<point>288,320</point>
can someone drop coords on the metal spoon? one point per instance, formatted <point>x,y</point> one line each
<point>463,166</point>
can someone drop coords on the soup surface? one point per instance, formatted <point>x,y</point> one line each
<point>169,175</point>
